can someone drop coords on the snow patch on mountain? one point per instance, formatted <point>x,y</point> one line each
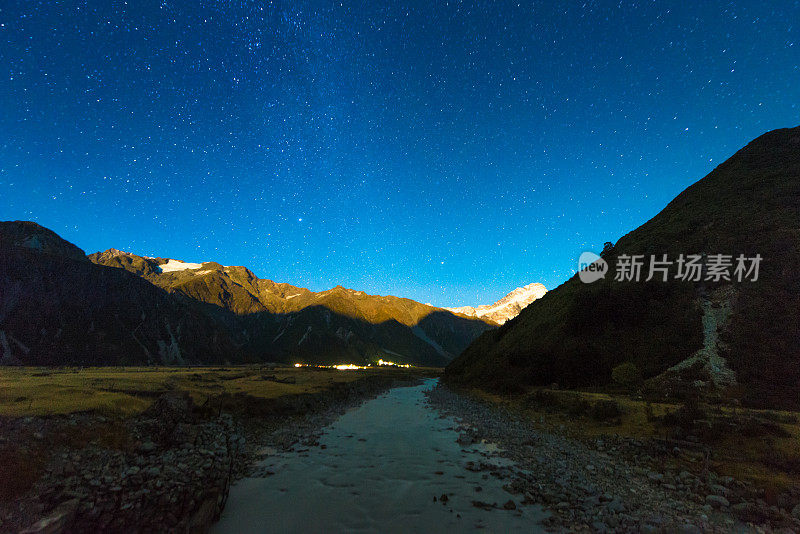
<point>178,265</point>
<point>507,307</point>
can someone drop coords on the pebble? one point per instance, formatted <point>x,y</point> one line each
<point>717,489</point>
<point>655,477</point>
<point>717,501</point>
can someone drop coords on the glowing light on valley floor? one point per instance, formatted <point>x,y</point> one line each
<point>352,366</point>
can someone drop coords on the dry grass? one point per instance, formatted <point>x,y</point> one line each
<point>771,463</point>
<point>124,391</point>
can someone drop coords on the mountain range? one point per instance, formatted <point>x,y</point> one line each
<point>675,338</point>
<point>59,306</point>
<point>293,322</point>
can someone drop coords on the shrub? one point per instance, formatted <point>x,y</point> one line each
<point>649,413</point>
<point>685,416</point>
<point>626,374</point>
<point>604,410</point>
<point>754,428</point>
<point>777,417</point>
<point>577,407</point>
<point>541,399</point>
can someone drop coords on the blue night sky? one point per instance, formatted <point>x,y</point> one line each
<point>444,151</point>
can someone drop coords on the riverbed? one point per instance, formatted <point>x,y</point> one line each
<point>391,465</point>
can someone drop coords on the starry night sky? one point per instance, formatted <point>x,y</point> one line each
<point>444,151</point>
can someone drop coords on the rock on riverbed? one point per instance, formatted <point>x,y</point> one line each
<point>172,475</point>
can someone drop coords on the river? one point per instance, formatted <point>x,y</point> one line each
<point>378,469</point>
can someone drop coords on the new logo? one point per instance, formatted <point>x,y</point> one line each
<point>591,267</point>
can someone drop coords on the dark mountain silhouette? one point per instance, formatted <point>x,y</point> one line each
<point>739,338</point>
<point>56,307</point>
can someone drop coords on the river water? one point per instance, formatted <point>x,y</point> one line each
<point>381,467</point>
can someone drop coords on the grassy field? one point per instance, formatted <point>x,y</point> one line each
<point>122,391</point>
<point>758,446</point>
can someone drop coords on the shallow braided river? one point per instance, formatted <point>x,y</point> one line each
<point>377,469</point>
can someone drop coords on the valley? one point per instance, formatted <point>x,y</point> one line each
<point>388,448</point>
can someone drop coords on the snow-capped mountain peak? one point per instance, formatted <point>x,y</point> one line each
<point>507,307</point>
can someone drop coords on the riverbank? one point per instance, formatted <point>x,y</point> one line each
<point>611,483</point>
<point>169,466</point>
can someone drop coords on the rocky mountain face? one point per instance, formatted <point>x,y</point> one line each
<point>507,307</point>
<point>57,307</point>
<point>282,322</point>
<point>740,339</point>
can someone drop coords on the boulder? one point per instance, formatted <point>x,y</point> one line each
<point>746,511</point>
<point>176,406</point>
<point>166,413</point>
